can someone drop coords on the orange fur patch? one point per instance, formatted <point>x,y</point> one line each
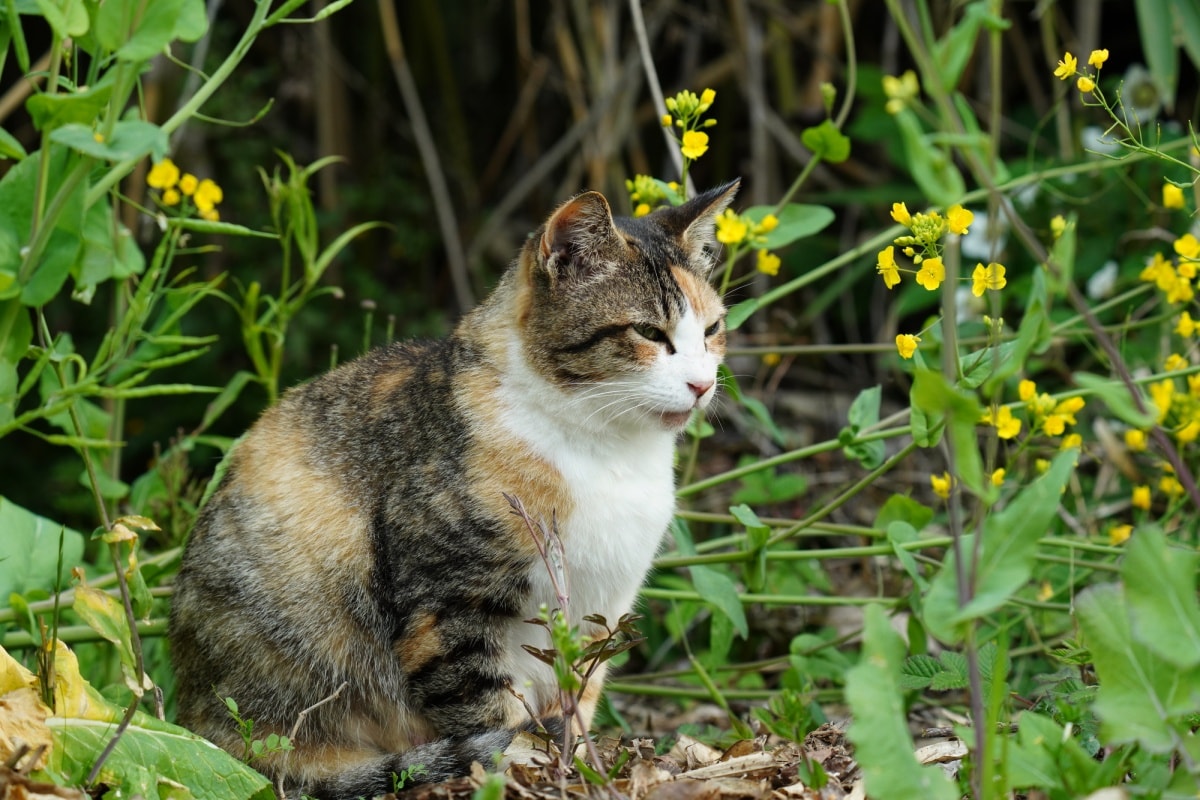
<point>419,646</point>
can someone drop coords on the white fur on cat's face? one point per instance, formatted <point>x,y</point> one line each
<point>682,375</point>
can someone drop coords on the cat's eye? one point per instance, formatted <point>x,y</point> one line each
<point>712,330</point>
<point>649,332</point>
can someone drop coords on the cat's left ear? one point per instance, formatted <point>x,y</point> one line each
<point>578,237</point>
<point>695,221</point>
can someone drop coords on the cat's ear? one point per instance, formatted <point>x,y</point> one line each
<point>693,223</point>
<point>578,238</point>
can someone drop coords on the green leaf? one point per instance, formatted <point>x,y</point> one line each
<point>130,139</point>
<point>900,508</point>
<point>826,142</point>
<point>755,543</point>
<point>1062,253</point>
<point>864,412</point>
<point>739,313</point>
<point>1157,31</point>
<point>29,550</point>
<point>221,228</point>
<point>1116,396</point>
<point>68,18</point>
<point>955,49</point>
<point>1187,23</point>
<point>1033,336</point>
<point>1007,556</point>
<point>1160,587</point>
<point>796,221</point>
<point>10,146</point>
<point>1141,697</point>
<point>719,591</point>
<point>50,111</point>
<point>105,615</point>
<point>918,672</point>
<point>931,166</point>
<point>16,334</point>
<point>891,771</point>
<point>961,412</point>
<point>900,533</point>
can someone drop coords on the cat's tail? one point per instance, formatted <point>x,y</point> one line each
<point>333,776</point>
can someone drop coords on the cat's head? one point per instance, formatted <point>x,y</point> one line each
<point>618,312</point>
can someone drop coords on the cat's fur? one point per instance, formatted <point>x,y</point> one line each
<point>361,535</point>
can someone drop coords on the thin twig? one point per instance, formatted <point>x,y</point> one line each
<point>304,714</point>
<point>443,205</point>
<point>656,92</point>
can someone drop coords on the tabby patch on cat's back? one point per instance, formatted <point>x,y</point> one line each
<point>360,569</point>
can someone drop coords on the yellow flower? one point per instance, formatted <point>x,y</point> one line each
<point>959,219</point>
<point>1119,534</point>
<point>1085,84</point>
<point>989,277</point>
<point>98,137</point>
<point>1041,465</point>
<point>666,120</point>
<point>1188,433</point>
<point>940,484</point>
<point>1058,224</point>
<point>1174,362</point>
<point>1159,272</point>
<point>998,477</point>
<point>642,210</point>
<point>708,95</point>
<point>188,184</point>
<point>1135,440</point>
<point>731,228</point>
<point>1180,291</point>
<point>1026,390</point>
<point>1141,497</point>
<point>767,262</point>
<point>694,144</point>
<point>207,195</point>
<point>769,223</point>
<point>163,175</point>
<point>1170,486</point>
<point>1066,67</point>
<point>1045,591</point>
<point>906,344</point>
<point>1188,246</point>
<point>1186,327</point>
<point>771,359</point>
<point>1072,441</point>
<point>1097,58</point>
<point>1063,414</point>
<point>210,214</point>
<point>931,274</point>
<point>1172,196</point>
<point>900,214</point>
<point>887,267</point>
<point>900,90</point>
<point>170,197</point>
<point>1161,393</point>
<point>1007,426</point>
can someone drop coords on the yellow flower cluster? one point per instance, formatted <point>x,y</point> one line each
<point>900,91</point>
<point>685,112</point>
<point>735,230</point>
<point>647,194</point>
<point>923,244</point>
<point>1174,278</point>
<point>174,186</point>
<point>1050,415</point>
<point>1068,66</point>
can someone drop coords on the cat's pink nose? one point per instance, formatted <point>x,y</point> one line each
<point>699,389</point>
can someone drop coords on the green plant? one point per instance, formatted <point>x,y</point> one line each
<point>255,748</point>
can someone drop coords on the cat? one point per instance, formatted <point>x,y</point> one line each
<point>361,537</point>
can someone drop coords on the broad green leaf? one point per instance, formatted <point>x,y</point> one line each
<point>1033,335</point>
<point>105,615</point>
<point>891,771</point>
<point>1045,757</point>
<point>1007,557</point>
<point>155,28</point>
<point>68,18</point>
<point>1157,28</point>
<point>826,142</point>
<point>152,758</point>
<point>1116,396</point>
<point>900,508</point>
<point>50,111</point>
<point>864,412</point>
<point>1142,698</point>
<point>29,550</point>
<point>1160,587</point>
<point>192,21</point>
<point>1187,23</point>
<point>104,257</point>
<point>130,139</point>
<point>719,591</point>
<point>918,672</point>
<point>796,221</point>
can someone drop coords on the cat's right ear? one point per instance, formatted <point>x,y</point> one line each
<point>577,238</point>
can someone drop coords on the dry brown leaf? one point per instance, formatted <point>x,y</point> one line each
<point>683,789</point>
<point>23,722</point>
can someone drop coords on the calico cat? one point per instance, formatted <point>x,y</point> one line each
<point>361,535</point>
